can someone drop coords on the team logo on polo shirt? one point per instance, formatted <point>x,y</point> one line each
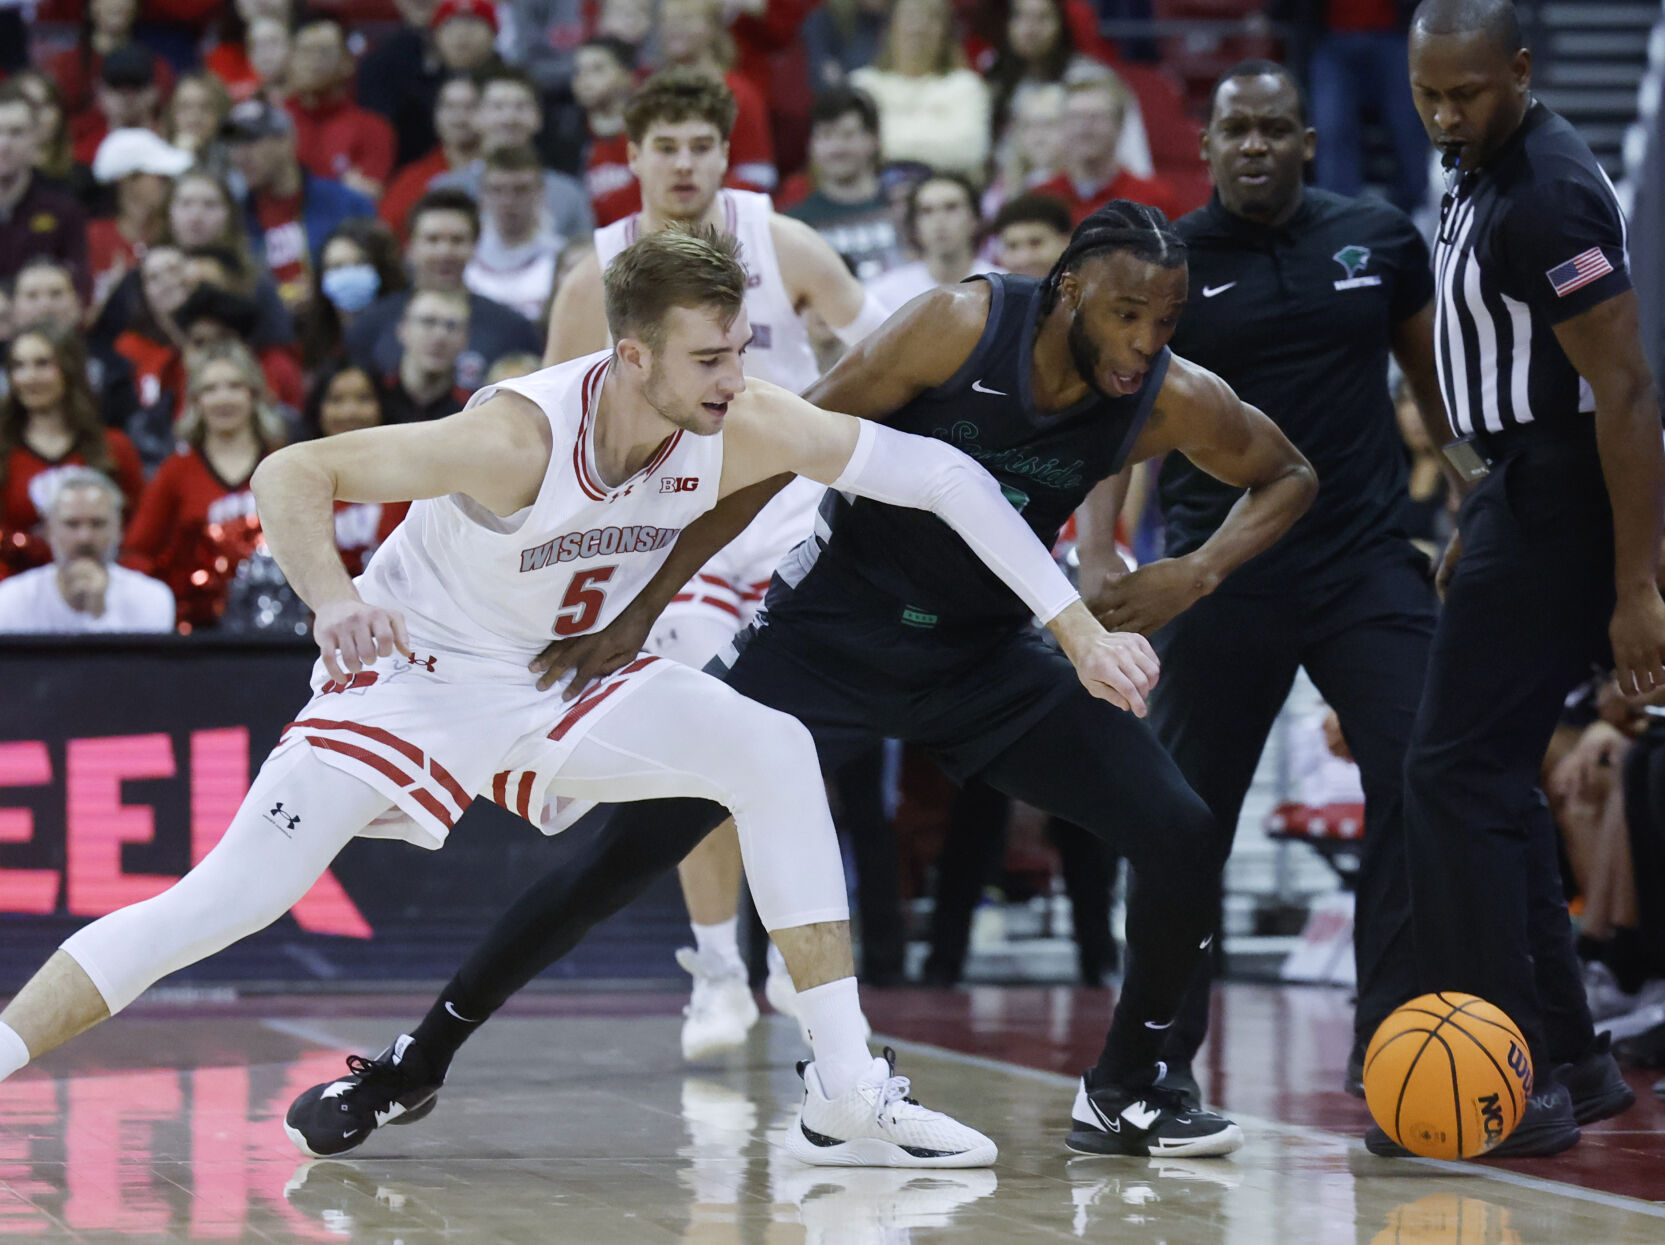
<point>43,222</point>
<point>1353,260</point>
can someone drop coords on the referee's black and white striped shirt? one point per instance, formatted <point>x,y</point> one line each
<point>1533,237</point>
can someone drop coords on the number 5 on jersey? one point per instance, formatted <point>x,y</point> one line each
<point>582,604</point>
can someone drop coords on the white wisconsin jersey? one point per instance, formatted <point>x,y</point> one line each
<point>780,351</point>
<point>500,588</point>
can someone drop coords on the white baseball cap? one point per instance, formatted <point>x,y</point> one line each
<point>135,150</point>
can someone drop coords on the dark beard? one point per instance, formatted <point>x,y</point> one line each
<point>1084,355</point>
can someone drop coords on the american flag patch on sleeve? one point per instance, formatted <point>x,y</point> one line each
<point>1578,271</point>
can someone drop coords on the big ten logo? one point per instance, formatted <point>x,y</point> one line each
<point>162,1153</point>
<point>678,484</point>
<point>98,828</point>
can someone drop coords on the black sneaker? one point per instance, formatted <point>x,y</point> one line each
<point>1597,1086</point>
<point>1155,1121</point>
<point>1180,1079</point>
<point>393,1088</point>
<point>1352,1080</point>
<point>1547,1127</point>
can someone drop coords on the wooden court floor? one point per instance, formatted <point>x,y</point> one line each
<point>572,1119</point>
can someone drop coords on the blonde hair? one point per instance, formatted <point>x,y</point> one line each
<point>681,266</point>
<point>949,56</point>
<point>267,423</point>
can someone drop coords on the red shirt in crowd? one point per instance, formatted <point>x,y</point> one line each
<point>284,234</point>
<point>109,257</point>
<point>28,488</point>
<point>751,159</point>
<point>336,135</point>
<point>362,526</point>
<point>158,368</point>
<point>179,534</point>
<point>408,185</point>
<point>1148,190</point>
<point>229,62</point>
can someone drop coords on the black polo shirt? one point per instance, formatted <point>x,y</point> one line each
<point>1531,238</point>
<point>1299,320</point>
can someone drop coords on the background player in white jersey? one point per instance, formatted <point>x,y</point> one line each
<point>678,123</point>
<point>545,499</point>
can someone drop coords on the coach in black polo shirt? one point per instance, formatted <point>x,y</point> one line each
<point>1298,296</point>
<point>1541,365</point>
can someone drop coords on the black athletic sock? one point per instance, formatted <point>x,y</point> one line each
<point>443,1031</point>
<point>604,861</point>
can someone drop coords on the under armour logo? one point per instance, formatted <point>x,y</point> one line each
<point>282,820</point>
<point>427,663</point>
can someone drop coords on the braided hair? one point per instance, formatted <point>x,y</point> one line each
<point>1120,225</point>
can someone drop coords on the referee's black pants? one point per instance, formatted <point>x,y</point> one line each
<point>1227,666</point>
<point>1525,619</point>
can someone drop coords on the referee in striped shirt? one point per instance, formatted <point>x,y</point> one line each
<point>1542,369</point>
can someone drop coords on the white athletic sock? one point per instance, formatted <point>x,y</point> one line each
<point>831,1015</point>
<point>14,1052</point>
<point>721,940</point>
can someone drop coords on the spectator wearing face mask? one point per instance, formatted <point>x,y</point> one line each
<point>444,231</point>
<point>82,590</point>
<point>360,264</point>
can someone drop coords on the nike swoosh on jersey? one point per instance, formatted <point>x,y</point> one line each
<point>1209,291</point>
<point>977,386</point>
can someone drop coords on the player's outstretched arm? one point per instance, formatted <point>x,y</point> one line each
<point>921,346</point>
<point>820,281</point>
<point>1197,414</point>
<point>496,453</point>
<point>772,430</point>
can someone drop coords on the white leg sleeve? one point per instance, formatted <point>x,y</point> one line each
<point>687,734</point>
<point>255,874</point>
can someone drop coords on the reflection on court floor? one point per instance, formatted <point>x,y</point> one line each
<point>587,1128</point>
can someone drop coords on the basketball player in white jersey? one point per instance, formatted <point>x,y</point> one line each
<point>678,124</point>
<point>557,496</point>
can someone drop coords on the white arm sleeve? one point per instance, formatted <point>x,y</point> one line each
<point>870,317</point>
<point>924,474</point>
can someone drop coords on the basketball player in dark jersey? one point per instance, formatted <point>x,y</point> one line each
<point>885,625</point>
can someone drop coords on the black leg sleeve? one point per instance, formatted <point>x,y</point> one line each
<point>604,865</point>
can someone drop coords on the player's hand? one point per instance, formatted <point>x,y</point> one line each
<point>352,634</point>
<point>1147,599</point>
<point>1638,635</point>
<point>1448,564</point>
<point>1586,771</point>
<point>1334,740</point>
<point>84,582</point>
<point>594,656</point>
<point>1116,666</point>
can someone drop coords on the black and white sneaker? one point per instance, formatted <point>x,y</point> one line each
<point>395,1087</point>
<point>1152,1120</point>
<point>1546,1127</point>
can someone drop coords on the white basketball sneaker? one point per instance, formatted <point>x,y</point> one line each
<point>721,1011</point>
<point>876,1124</point>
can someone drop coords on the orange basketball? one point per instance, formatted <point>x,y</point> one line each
<point>1447,1076</point>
